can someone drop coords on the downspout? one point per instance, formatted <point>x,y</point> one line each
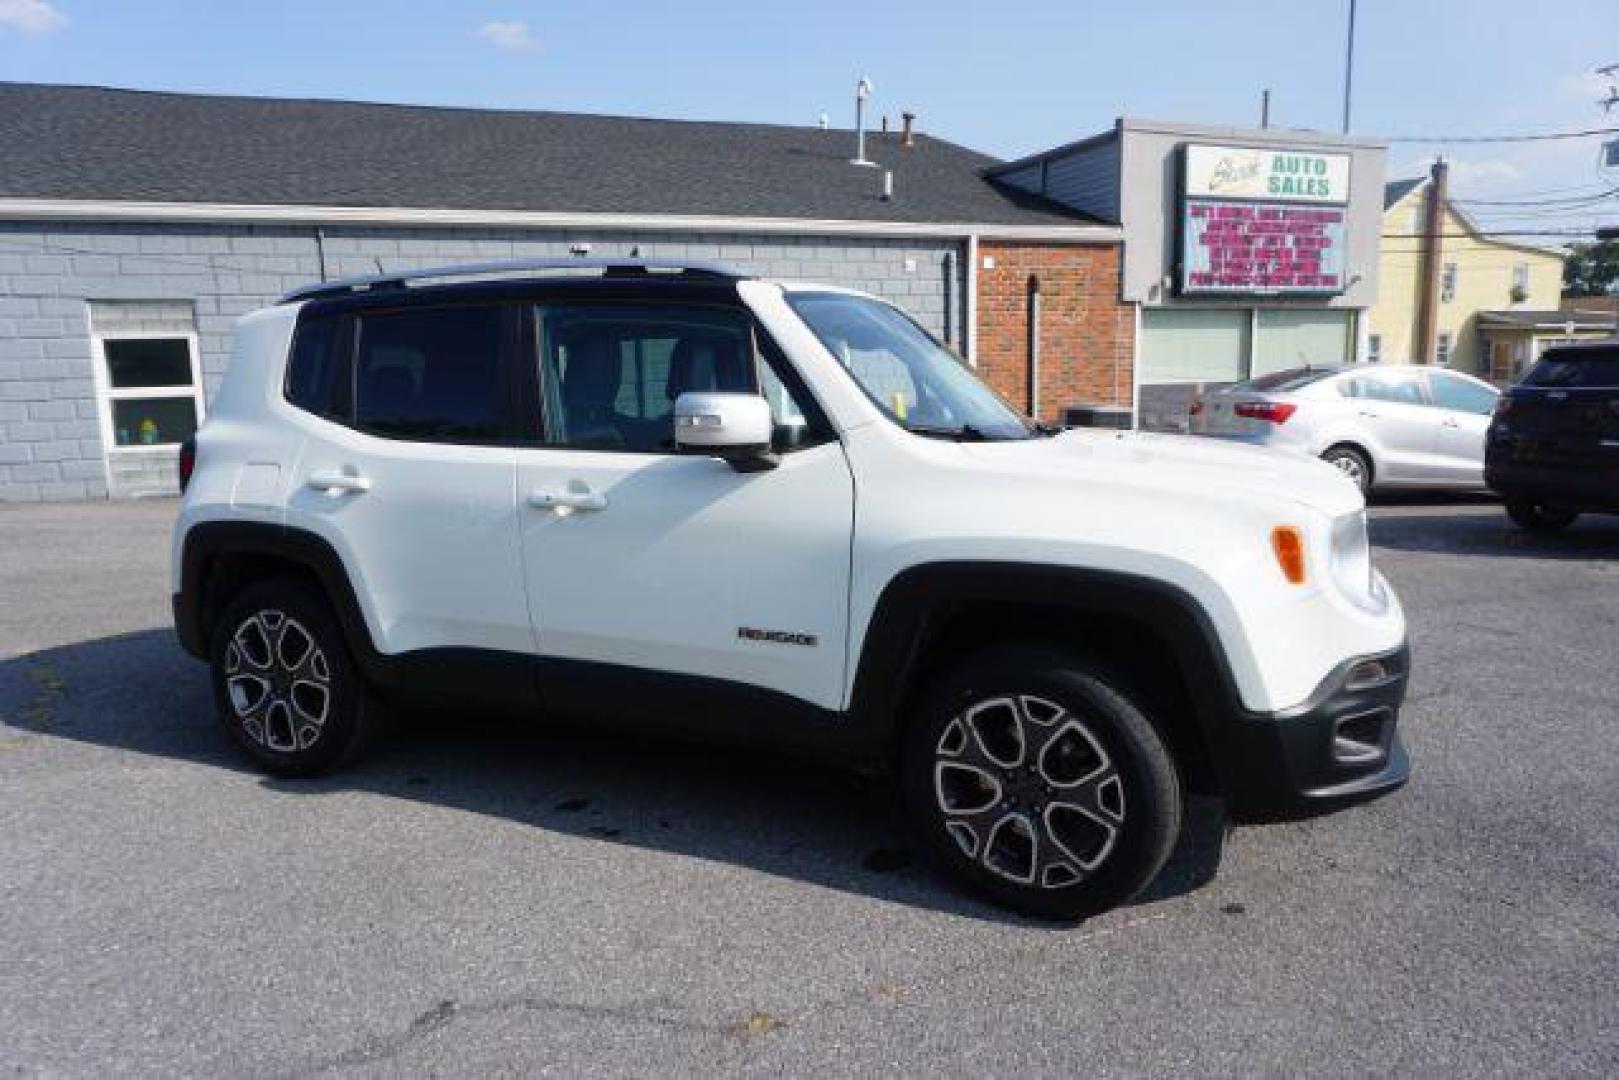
<point>969,319</point>
<point>1034,346</point>
<point>320,250</point>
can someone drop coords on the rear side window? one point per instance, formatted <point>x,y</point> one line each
<point>433,374</point>
<point>1576,368</point>
<point>311,372</point>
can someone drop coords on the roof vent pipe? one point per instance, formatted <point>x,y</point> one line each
<point>824,122</point>
<point>862,94</point>
<point>907,135</point>
<point>888,185</point>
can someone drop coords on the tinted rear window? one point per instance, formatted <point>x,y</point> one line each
<point>311,373</point>
<point>1283,381</point>
<point>1576,368</point>
<point>432,374</point>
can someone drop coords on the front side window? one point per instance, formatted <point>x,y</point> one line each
<point>611,373</point>
<point>433,375</point>
<point>913,379</point>
<point>1461,395</point>
<point>150,390</point>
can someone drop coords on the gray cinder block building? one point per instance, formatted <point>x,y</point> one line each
<point>135,228</point>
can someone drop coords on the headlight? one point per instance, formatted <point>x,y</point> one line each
<point>1352,563</point>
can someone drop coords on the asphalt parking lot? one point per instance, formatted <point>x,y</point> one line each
<point>480,898</point>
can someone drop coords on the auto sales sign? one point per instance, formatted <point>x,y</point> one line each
<point>1262,222</point>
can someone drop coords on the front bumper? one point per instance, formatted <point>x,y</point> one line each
<point>1340,747</point>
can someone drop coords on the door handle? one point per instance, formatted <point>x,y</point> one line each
<point>571,500</point>
<point>334,482</point>
<point>1368,415</point>
<point>1448,422</point>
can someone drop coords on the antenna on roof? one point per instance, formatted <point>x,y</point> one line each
<point>862,94</point>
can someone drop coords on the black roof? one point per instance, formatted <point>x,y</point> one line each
<point>75,142</point>
<point>1395,190</point>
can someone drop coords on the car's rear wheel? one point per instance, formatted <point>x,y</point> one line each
<point>286,688</point>
<point>1538,517</point>
<point>1353,464</point>
<point>1036,780</point>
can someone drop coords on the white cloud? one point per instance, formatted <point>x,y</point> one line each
<point>30,17</point>
<point>509,34</point>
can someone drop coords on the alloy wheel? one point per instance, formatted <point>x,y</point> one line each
<point>1027,791</point>
<point>279,681</point>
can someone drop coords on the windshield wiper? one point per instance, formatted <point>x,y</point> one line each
<point>964,433</point>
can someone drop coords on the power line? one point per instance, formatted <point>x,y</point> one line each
<point>1540,137</point>
<point>1596,196</point>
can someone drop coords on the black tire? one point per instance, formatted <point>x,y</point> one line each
<point>1538,517</point>
<point>278,730</point>
<point>1109,857</point>
<point>1353,463</point>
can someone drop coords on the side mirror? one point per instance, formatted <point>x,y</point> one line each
<point>735,427</point>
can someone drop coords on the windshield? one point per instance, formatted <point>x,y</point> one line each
<point>911,377</point>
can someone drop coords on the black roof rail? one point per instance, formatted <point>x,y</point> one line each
<point>607,267</point>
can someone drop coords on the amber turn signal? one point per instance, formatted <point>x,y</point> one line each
<point>1288,543</point>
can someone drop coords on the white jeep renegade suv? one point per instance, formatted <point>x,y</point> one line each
<point>777,512</point>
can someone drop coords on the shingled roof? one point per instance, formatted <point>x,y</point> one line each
<point>87,143</point>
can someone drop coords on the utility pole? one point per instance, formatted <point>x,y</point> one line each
<point>1433,252</point>
<point>1264,108</point>
<point>1349,64</point>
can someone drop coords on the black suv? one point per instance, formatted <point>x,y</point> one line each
<point>1553,447</point>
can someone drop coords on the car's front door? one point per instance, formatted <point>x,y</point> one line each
<point>1464,406</point>
<point>643,563</point>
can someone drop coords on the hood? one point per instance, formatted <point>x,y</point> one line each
<point>1173,463</point>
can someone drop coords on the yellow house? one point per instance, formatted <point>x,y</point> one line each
<point>1490,291</point>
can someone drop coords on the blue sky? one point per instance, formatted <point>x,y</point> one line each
<point>1006,78</point>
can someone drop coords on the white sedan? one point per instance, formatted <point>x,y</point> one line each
<point>1384,426</point>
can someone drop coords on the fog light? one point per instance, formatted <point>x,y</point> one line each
<point>1368,673</point>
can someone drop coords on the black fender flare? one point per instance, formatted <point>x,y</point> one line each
<point>918,602</point>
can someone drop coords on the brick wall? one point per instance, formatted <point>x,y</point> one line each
<point>50,437</point>
<point>1087,335</point>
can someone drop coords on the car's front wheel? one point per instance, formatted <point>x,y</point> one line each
<point>1538,517</point>
<point>1037,780</point>
<point>286,688</point>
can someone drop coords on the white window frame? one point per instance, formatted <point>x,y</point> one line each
<point>106,393</point>
<point>1448,275</point>
<point>1444,346</point>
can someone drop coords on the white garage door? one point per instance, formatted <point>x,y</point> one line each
<point>1194,346</point>
<point>1290,339</point>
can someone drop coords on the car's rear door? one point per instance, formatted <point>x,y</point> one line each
<point>1464,406</point>
<point>656,577</point>
<point>408,471</point>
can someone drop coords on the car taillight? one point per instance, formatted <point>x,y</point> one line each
<point>1503,405</point>
<point>1275,412</point>
<point>1194,408</point>
<point>188,462</point>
